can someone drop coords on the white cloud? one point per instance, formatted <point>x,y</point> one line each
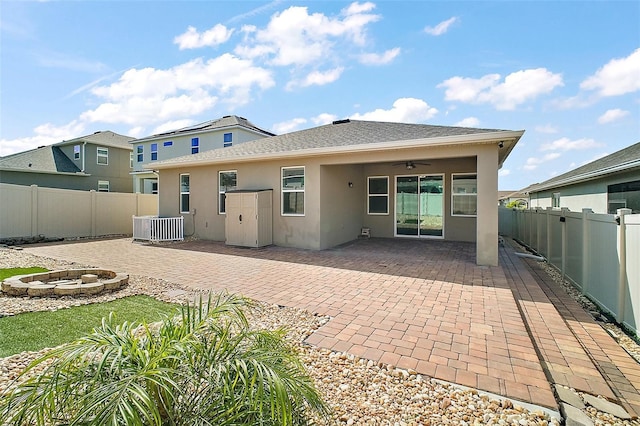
<point>192,39</point>
<point>379,58</point>
<point>532,163</point>
<point>546,128</point>
<point>147,96</point>
<point>317,78</point>
<point>45,134</point>
<point>404,110</point>
<point>288,126</point>
<point>504,172</point>
<point>517,88</point>
<point>566,144</point>
<point>468,122</point>
<point>295,37</point>
<point>442,27</point>
<point>612,115</point>
<point>324,118</point>
<point>617,77</point>
<point>136,132</point>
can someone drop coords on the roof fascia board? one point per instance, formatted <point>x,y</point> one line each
<point>475,138</point>
<point>43,172</point>
<point>588,176</point>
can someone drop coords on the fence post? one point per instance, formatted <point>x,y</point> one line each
<point>563,220</point>
<point>622,262</point>
<point>586,244</point>
<point>34,210</point>
<point>548,220</point>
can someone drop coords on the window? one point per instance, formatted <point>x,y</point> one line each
<point>464,194</point>
<point>103,186</point>
<point>154,151</point>
<point>624,195</point>
<point>140,153</point>
<point>131,160</point>
<point>378,195</point>
<point>228,140</point>
<point>293,191</point>
<point>103,156</point>
<point>555,201</point>
<point>227,181</point>
<point>76,152</point>
<point>168,143</point>
<point>195,145</point>
<point>184,193</point>
<point>154,187</point>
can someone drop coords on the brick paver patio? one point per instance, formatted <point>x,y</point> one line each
<point>423,305</point>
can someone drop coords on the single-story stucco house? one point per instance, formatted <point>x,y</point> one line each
<point>329,182</point>
<point>604,185</point>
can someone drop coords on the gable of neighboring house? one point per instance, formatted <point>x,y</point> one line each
<point>100,161</point>
<point>327,183</point>
<point>225,132</point>
<point>604,185</point>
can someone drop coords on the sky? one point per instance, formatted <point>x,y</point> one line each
<point>566,72</point>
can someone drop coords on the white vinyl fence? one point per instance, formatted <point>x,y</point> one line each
<point>155,229</point>
<point>598,253</point>
<point>32,211</point>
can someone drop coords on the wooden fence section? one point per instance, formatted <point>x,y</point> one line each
<point>31,211</point>
<point>598,253</point>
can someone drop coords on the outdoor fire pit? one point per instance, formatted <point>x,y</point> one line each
<point>69,282</point>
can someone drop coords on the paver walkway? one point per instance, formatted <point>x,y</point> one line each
<point>423,305</point>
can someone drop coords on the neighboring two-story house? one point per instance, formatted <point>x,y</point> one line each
<point>224,132</point>
<point>100,161</point>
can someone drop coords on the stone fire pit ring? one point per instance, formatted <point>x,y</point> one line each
<point>68,282</point>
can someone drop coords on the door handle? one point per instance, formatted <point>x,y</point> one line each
<point>240,218</point>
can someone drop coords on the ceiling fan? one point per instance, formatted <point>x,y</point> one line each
<point>411,164</point>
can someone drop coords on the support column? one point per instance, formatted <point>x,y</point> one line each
<point>487,217</point>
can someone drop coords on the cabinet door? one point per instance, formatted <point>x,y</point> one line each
<point>249,220</point>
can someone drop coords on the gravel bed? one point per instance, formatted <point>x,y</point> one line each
<point>359,391</point>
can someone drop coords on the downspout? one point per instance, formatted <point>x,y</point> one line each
<point>84,152</point>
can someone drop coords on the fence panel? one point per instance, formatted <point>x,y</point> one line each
<point>554,238</point>
<point>154,229</point>
<point>574,243</point>
<point>31,211</point>
<point>602,262</point>
<point>632,298</point>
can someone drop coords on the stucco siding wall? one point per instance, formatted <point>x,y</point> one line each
<point>342,206</point>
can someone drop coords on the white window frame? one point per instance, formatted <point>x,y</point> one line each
<point>221,191</point>
<point>154,145</point>
<point>131,160</point>
<point>104,154</point>
<point>182,193</point>
<point>140,153</point>
<point>369,195</point>
<point>103,186</point>
<point>76,152</point>
<point>555,200</point>
<point>195,149</point>
<point>460,195</point>
<point>225,143</point>
<point>285,190</point>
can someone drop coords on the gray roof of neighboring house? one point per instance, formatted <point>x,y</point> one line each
<point>342,133</point>
<point>217,124</point>
<point>626,159</point>
<point>104,138</point>
<point>46,159</point>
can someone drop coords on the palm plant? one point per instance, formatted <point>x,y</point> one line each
<point>204,367</point>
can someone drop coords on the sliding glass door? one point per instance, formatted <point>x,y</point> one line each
<point>419,206</point>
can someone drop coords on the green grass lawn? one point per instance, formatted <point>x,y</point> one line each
<point>33,331</point>
<point>9,272</point>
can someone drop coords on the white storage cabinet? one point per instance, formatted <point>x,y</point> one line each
<point>248,221</point>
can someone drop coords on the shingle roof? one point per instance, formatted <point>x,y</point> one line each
<point>623,160</point>
<point>218,123</point>
<point>46,159</point>
<point>343,133</point>
<point>105,138</point>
